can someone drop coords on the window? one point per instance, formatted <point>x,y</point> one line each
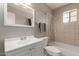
<point>70,16</point>
<point>66,17</point>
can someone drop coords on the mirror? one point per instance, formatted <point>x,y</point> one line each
<point>18,14</point>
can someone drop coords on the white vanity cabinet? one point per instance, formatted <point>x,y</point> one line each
<point>29,47</point>
<point>35,49</point>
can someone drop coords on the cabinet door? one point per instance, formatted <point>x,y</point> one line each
<point>19,52</point>
<point>37,51</point>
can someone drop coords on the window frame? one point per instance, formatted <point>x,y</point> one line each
<point>69,17</point>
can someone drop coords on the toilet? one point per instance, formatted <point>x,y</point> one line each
<point>50,50</point>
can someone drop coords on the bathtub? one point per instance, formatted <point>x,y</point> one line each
<point>66,49</point>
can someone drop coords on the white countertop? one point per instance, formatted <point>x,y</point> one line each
<point>14,43</point>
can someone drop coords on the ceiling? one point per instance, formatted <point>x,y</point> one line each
<point>55,5</point>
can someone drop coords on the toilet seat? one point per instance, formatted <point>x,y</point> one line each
<point>52,50</point>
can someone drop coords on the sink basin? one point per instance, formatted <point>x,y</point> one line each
<point>29,39</point>
<point>24,41</point>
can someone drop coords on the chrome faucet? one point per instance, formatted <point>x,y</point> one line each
<point>23,38</point>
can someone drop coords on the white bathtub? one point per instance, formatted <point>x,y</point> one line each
<point>66,49</point>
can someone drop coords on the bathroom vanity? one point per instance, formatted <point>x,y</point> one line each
<point>30,46</point>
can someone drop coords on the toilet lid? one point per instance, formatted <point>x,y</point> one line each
<point>52,49</point>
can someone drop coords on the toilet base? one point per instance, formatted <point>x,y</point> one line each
<point>52,51</point>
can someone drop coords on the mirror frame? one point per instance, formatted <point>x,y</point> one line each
<point>17,25</point>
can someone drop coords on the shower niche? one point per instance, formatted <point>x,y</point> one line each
<point>18,14</point>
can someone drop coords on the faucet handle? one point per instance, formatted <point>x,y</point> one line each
<point>23,38</point>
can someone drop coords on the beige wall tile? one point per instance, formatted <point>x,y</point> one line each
<point>67,33</point>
